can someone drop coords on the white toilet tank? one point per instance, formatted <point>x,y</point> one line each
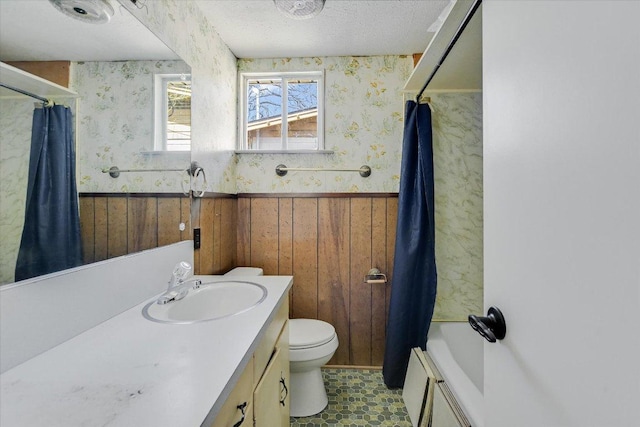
<point>245,271</point>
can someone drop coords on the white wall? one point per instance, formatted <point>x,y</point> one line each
<point>38,314</point>
<point>562,211</point>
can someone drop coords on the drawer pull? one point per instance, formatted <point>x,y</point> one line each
<point>242,407</point>
<point>284,390</point>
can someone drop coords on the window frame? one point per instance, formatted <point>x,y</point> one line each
<point>319,76</point>
<point>160,110</point>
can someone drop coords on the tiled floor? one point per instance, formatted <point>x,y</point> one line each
<point>358,397</point>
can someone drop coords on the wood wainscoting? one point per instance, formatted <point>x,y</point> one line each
<point>328,243</point>
<point>216,216</point>
<point>114,224</point>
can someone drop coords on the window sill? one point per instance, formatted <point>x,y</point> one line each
<point>284,151</point>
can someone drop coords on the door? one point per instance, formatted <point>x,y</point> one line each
<point>269,397</point>
<point>562,211</point>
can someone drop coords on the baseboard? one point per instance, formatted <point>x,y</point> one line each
<point>375,368</point>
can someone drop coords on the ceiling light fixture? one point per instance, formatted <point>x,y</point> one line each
<point>90,11</point>
<point>299,9</point>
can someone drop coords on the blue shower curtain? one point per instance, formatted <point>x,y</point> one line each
<point>51,234</point>
<point>413,290</point>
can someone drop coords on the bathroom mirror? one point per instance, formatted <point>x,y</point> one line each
<point>119,69</point>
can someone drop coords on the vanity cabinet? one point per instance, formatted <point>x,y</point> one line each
<point>238,408</point>
<point>260,398</point>
<point>271,396</point>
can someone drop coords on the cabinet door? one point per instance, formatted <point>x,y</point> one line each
<point>269,397</point>
<point>283,346</point>
<point>264,352</point>
<point>237,410</point>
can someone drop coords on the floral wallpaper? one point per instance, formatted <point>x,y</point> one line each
<point>183,27</point>
<point>457,158</point>
<point>363,126</point>
<point>115,127</point>
<point>15,142</point>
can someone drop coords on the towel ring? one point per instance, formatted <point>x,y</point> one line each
<point>194,172</point>
<point>197,172</point>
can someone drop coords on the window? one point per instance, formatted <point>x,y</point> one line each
<point>282,111</point>
<point>172,112</point>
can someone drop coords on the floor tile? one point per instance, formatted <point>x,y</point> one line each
<point>358,397</point>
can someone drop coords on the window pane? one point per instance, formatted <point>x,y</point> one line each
<point>178,115</point>
<point>302,115</point>
<point>264,114</point>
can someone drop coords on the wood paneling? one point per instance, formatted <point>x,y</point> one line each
<point>334,270</point>
<point>54,71</point>
<point>118,224</point>
<point>117,221</point>
<point>228,225</point>
<point>206,251</point>
<point>264,235</point>
<point>169,218</point>
<point>87,229</point>
<point>243,250</point>
<point>142,224</point>
<point>217,218</point>
<point>285,236</point>
<point>378,293</point>
<point>101,236</point>
<point>359,291</point>
<point>328,243</point>
<point>305,258</point>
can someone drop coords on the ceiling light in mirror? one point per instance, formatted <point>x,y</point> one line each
<point>90,11</point>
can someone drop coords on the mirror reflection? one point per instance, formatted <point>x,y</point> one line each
<point>128,102</point>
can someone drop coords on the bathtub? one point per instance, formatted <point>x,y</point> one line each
<point>457,351</point>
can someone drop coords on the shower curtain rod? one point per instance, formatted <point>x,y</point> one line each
<point>452,43</point>
<point>24,92</point>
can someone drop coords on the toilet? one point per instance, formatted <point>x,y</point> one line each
<point>312,343</point>
<point>245,271</point>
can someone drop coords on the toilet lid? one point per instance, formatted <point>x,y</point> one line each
<point>305,333</point>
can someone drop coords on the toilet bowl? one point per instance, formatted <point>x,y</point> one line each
<point>312,343</point>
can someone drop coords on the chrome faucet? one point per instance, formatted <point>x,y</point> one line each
<point>176,291</point>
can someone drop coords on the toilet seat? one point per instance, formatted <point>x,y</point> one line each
<point>309,333</point>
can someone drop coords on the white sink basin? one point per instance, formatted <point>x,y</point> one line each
<point>211,301</point>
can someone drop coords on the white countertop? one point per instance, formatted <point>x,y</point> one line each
<point>129,371</point>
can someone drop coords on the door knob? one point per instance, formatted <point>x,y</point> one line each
<point>492,326</point>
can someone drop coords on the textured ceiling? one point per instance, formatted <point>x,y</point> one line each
<point>251,29</point>
<point>256,29</point>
